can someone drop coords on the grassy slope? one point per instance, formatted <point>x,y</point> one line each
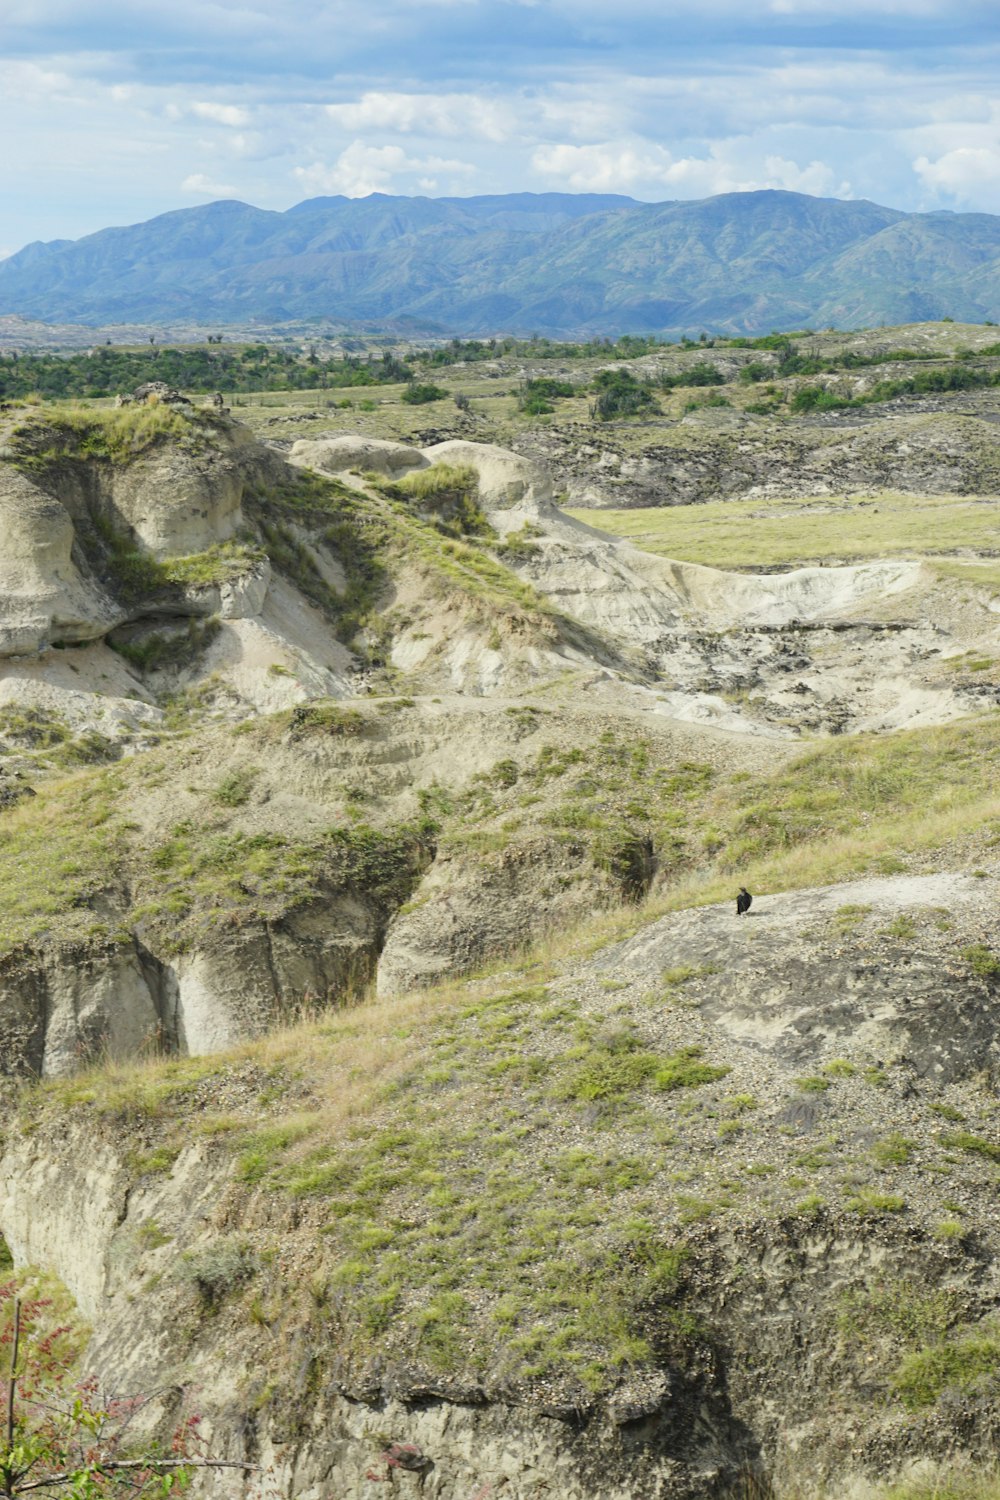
<point>506,1180</point>
<point>737,534</point>
<point>870,804</point>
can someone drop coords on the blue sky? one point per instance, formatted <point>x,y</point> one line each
<point>151,106</point>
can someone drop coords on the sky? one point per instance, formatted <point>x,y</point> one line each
<point>113,111</point>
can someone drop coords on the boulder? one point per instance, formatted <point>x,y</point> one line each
<point>336,455</point>
<point>505,478</point>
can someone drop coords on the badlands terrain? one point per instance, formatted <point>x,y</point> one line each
<point>384,1061</point>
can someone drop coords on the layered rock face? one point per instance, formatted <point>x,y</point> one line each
<point>759,1375</point>
<point>71,1005</point>
<point>44,595</point>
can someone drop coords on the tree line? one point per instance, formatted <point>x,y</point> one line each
<point>106,370</point>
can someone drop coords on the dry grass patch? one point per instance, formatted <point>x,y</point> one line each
<point>746,534</point>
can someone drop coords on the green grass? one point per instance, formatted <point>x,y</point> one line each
<point>871,1203</point>
<point>983,962</point>
<point>959,1365</point>
<point>158,649</point>
<point>984,576</point>
<point>55,852</point>
<point>953,1483</point>
<point>975,1145</point>
<point>899,1311</point>
<point>845,808</point>
<point>374,536</point>
<point>894,1150</point>
<point>115,434</point>
<point>747,534</point>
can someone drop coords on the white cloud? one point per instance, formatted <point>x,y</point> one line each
<point>603,168</point>
<point>966,174</point>
<point>199,183</point>
<point>635,166</point>
<point>222,114</point>
<point>450,115</point>
<point>29,80</point>
<point>817,178</point>
<point>362,169</point>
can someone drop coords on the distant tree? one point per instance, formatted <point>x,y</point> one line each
<point>619,394</point>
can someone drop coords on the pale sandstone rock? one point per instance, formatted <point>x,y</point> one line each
<point>505,478</point>
<point>336,455</point>
<point>43,596</point>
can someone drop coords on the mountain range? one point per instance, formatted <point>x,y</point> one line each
<point>570,265</point>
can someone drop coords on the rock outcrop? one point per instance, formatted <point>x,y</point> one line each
<point>43,595</point>
<point>340,455</point>
<point>505,478</point>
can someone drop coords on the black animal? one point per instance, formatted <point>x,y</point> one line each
<point>743,901</point>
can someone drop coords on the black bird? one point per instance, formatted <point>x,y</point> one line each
<point>743,901</point>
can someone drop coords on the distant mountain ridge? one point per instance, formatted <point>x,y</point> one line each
<point>568,265</point>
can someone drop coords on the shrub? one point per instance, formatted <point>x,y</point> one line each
<point>325,718</point>
<point>619,394</point>
<point>983,962</point>
<point>63,1437</point>
<point>536,396</point>
<point>234,790</point>
<point>817,398</point>
<point>923,1376</point>
<point>685,1070</point>
<point>419,395</point>
<point>217,1269</point>
<point>700,374</point>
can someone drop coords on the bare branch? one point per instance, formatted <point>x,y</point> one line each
<point>152,1464</point>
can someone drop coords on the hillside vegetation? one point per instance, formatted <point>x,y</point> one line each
<point>382,1054</point>
<point>564,264</point>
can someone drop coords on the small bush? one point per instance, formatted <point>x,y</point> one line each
<point>619,394</point>
<point>894,1151</point>
<point>870,1203</point>
<point>421,395</point>
<point>816,398</point>
<point>685,1070</point>
<point>607,1074</point>
<point>983,962</point>
<point>810,1206</point>
<point>325,718</point>
<point>234,790</point>
<point>813,1084</point>
<point>218,1269</point>
<point>536,396</point>
<point>839,1067</point>
<point>923,1376</point>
